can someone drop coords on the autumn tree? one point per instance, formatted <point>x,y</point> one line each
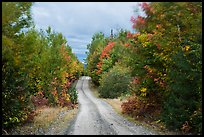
<point>168,60</point>
<point>38,67</point>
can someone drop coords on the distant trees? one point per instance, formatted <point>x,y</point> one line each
<point>95,49</point>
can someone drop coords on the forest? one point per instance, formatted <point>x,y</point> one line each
<point>158,67</point>
<point>38,67</point>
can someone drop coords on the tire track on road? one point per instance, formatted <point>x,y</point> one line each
<point>88,109</point>
<point>96,117</point>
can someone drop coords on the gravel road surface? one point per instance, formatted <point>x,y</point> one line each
<point>97,117</point>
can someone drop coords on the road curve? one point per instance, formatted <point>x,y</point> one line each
<point>97,117</point>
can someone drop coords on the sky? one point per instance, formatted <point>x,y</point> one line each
<point>79,21</point>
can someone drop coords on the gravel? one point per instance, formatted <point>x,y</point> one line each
<point>96,117</point>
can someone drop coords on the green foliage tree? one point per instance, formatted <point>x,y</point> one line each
<point>13,80</point>
<point>95,48</point>
<point>164,56</point>
<point>114,83</point>
<point>37,66</point>
<point>15,17</point>
<point>172,58</point>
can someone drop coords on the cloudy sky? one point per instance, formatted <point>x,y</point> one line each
<point>79,21</point>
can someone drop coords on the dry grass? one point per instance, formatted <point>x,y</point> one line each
<point>45,116</point>
<point>116,104</point>
<point>93,88</point>
<point>48,119</point>
<point>61,124</point>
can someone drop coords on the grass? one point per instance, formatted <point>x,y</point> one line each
<point>93,89</point>
<point>58,126</point>
<point>48,118</point>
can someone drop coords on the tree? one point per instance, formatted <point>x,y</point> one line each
<point>173,30</point>
<point>38,67</point>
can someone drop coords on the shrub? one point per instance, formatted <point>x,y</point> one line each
<point>139,107</point>
<point>73,94</point>
<point>115,82</point>
<point>134,106</point>
<point>39,101</point>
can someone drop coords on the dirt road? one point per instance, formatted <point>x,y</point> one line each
<point>96,117</point>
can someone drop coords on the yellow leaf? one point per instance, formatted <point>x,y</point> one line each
<point>143,94</point>
<point>186,48</point>
<point>158,121</point>
<point>143,89</point>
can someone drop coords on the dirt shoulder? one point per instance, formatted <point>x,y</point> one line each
<point>48,121</point>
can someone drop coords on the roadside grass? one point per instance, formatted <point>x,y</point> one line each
<point>47,119</point>
<point>116,103</point>
<point>59,125</point>
<point>54,118</point>
<point>93,89</point>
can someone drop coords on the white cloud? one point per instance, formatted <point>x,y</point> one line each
<point>79,51</point>
<point>78,21</point>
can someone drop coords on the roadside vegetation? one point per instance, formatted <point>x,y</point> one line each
<point>47,121</point>
<point>163,60</point>
<point>38,68</point>
<point>147,122</point>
